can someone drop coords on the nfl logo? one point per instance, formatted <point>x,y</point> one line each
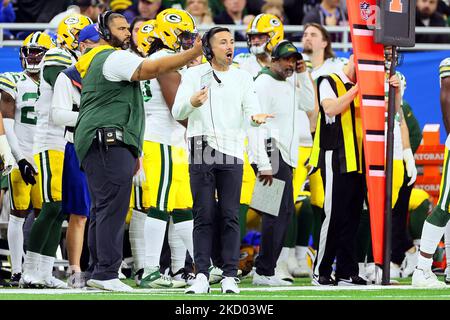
<point>365,10</point>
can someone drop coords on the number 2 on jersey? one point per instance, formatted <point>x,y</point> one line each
<point>26,110</point>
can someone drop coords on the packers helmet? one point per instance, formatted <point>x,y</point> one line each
<point>33,50</point>
<point>265,24</point>
<point>69,28</point>
<point>145,36</point>
<point>176,28</point>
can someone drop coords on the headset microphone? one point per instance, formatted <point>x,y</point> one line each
<point>217,78</point>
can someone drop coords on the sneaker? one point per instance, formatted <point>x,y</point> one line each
<point>215,275</point>
<point>138,276</point>
<point>426,279</point>
<point>178,280</point>
<point>322,280</point>
<point>15,278</point>
<point>76,280</point>
<point>229,285</point>
<point>201,285</point>
<point>189,277</point>
<point>28,281</point>
<point>352,281</point>
<point>395,271</point>
<point>54,283</point>
<point>274,281</point>
<point>155,280</point>
<point>123,265</point>
<point>447,275</point>
<point>411,260</point>
<point>301,269</point>
<point>282,272</point>
<point>109,285</point>
<point>370,272</point>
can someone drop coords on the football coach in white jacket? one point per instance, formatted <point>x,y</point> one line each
<point>220,103</point>
<point>284,89</point>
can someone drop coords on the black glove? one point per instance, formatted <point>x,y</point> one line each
<point>27,172</point>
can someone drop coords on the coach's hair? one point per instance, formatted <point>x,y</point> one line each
<point>328,53</point>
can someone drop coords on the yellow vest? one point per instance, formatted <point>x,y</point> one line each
<point>344,135</point>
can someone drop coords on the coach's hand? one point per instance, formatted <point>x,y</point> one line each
<point>266,177</point>
<point>199,98</point>
<point>261,118</point>
<point>27,171</point>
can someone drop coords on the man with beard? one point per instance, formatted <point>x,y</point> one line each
<point>426,16</point>
<point>109,136</point>
<point>280,93</point>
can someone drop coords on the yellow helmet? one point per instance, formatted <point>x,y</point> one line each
<point>265,24</point>
<point>69,28</point>
<point>145,36</point>
<point>176,29</point>
<point>33,50</point>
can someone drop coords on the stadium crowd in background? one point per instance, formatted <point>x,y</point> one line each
<point>142,61</point>
<point>207,12</point>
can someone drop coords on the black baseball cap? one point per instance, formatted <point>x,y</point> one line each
<point>285,49</point>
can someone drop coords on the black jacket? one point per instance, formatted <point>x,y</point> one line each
<point>224,18</point>
<point>436,20</point>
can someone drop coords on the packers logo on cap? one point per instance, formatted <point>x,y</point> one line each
<point>71,20</point>
<point>173,18</point>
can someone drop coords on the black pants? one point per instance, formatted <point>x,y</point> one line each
<point>273,229</point>
<point>109,176</point>
<point>205,179</point>
<point>401,240</point>
<point>344,197</point>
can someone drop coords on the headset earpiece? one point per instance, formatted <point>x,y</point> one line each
<point>206,47</point>
<point>103,28</point>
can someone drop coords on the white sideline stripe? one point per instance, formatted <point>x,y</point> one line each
<point>257,289</point>
<point>362,32</point>
<point>376,173</point>
<point>374,138</point>
<point>374,103</point>
<point>370,67</point>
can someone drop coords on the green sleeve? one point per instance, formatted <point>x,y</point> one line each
<point>415,133</point>
<point>51,73</point>
<point>4,183</point>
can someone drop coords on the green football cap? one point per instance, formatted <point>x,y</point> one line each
<point>285,49</point>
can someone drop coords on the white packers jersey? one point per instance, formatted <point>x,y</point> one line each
<point>248,62</point>
<point>444,69</point>
<point>305,130</point>
<point>26,96</point>
<point>329,66</point>
<point>398,141</point>
<point>8,82</point>
<point>48,135</point>
<point>160,126</point>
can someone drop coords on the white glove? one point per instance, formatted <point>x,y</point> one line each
<point>139,178</point>
<point>7,157</point>
<point>411,169</point>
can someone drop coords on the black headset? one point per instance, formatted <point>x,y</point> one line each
<point>103,28</point>
<point>206,44</point>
